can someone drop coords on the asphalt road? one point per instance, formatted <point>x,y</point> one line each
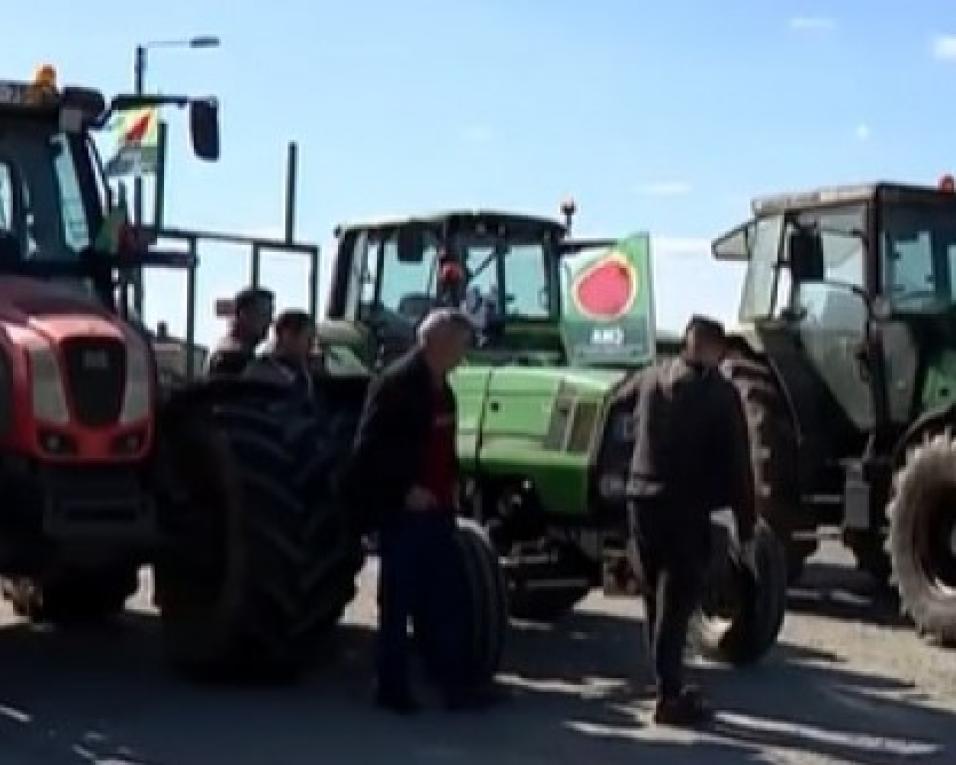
<point>848,683</point>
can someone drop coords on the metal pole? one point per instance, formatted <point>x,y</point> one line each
<point>256,262</point>
<point>191,310</point>
<point>290,192</point>
<point>139,75</point>
<point>314,284</point>
<point>159,197</point>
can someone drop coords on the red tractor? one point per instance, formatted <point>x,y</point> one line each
<point>226,487</point>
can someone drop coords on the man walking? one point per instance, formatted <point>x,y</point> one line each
<point>252,316</point>
<point>405,470</point>
<point>691,457</point>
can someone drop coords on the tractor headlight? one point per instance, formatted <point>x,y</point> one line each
<point>49,398</point>
<point>138,379</point>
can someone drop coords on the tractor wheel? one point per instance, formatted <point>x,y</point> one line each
<point>73,596</point>
<point>922,538</point>
<point>773,448</point>
<point>487,607</point>
<point>260,561</point>
<point>742,611</point>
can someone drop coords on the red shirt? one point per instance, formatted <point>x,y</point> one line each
<point>439,470</point>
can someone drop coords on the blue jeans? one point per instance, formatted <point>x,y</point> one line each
<point>420,578</point>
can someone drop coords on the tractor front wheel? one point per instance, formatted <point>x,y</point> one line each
<point>260,560</point>
<point>922,538</point>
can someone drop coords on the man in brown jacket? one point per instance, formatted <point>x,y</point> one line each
<point>691,457</point>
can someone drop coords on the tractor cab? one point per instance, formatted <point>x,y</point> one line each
<point>535,296</point>
<point>848,332</point>
<point>59,219</point>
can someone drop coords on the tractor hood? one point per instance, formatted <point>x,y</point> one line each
<point>53,310</point>
<point>540,424</point>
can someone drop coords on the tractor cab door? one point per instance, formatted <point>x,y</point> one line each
<point>607,302</point>
<point>804,305</point>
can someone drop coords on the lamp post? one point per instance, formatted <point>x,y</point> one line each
<point>139,85</point>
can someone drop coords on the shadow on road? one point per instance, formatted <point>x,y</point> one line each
<point>106,696</point>
<point>842,593</point>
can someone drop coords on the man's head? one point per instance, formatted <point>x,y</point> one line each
<point>704,341</point>
<point>445,335</point>
<point>294,335</point>
<point>253,314</point>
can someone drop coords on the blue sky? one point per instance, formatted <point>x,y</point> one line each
<point>656,116</point>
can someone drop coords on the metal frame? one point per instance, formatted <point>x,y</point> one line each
<point>258,246</point>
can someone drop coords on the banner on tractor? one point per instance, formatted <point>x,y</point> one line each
<point>137,143</point>
<point>608,306</point>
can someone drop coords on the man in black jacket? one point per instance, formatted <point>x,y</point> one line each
<point>405,470</point>
<point>252,316</point>
<point>287,362</point>
<point>691,457</point>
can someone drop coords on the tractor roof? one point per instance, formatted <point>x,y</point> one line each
<point>38,100</point>
<point>456,218</point>
<point>837,195</point>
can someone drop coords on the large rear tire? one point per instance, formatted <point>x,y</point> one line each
<point>922,536</point>
<point>73,596</point>
<point>261,559</point>
<point>773,449</point>
<point>486,612</point>
<point>742,613</point>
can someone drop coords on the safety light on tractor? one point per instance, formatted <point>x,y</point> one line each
<point>43,87</point>
<point>947,183</point>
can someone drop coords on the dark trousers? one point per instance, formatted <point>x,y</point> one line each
<point>420,579</point>
<point>673,545</point>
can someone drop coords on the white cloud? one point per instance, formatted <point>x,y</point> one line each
<point>665,189</point>
<point>477,134</point>
<point>944,47</point>
<point>863,132</point>
<point>812,23</point>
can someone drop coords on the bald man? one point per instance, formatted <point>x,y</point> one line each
<point>405,469</point>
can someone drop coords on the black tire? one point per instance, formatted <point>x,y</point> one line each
<point>741,617</point>
<point>73,596</point>
<point>261,560</point>
<point>486,614</point>
<point>922,537</point>
<point>773,448</point>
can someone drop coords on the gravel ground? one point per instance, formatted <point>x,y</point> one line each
<point>849,682</point>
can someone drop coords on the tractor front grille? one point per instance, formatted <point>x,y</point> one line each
<point>96,379</point>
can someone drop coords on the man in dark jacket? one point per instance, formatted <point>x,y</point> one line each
<point>691,457</point>
<point>252,316</point>
<point>405,469</point>
<point>287,362</point>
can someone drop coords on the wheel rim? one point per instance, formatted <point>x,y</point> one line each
<point>936,541</point>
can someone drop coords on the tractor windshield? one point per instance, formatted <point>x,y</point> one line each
<point>919,256</point>
<point>493,278</point>
<point>46,212</point>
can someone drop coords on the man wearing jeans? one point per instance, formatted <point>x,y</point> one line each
<point>405,468</point>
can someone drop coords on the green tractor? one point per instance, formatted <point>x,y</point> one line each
<point>847,364</point>
<point>544,434</point>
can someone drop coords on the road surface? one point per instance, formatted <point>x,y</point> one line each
<point>848,683</point>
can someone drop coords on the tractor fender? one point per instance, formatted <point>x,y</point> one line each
<point>932,421</point>
<point>746,343</point>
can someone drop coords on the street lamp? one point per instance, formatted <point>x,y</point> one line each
<point>139,77</point>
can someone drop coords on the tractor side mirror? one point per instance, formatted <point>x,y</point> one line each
<point>411,244</point>
<point>806,256</point>
<point>735,244</point>
<point>204,128</point>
